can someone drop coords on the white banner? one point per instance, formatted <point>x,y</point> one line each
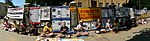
<point>35,14</point>
<point>15,13</point>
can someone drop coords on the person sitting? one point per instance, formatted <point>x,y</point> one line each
<point>33,30</point>
<point>108,25</point>
<point>98,26</point>
<point>80,27</point>
<point>128,23</point>
<point>140,21</point>
<point>64,30</point>
<point>81,30</point>
<point>22,28</point>
<point>122,25</point>
<point>13,25</point>
<point>143,21</point>
<point>47,31</point>
<point>6,25</point>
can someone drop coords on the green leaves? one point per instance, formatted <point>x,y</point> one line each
<point>48,2</point>
<point>140,3</point>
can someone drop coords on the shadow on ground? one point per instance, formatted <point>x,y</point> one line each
<point>143,36</point>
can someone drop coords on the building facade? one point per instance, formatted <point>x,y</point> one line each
<point>100,3</point>
<point>3,9</point>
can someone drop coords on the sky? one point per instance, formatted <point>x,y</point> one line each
<point>16,2</point>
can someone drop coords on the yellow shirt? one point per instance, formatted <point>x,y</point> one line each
<point>14,25</point>
<point>47,29</point>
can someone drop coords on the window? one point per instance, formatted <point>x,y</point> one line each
<point>100,4</point>
<point>118,4</point>
<point>79,4</point>
<point>94,3</point>
<point>107,5</point>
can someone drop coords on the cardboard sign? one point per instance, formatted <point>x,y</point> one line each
<point>88,14</point>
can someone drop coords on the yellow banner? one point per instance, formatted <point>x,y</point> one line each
<point>88,14</point>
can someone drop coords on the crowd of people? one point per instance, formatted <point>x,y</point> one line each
<point>80,30</point>
<point>19,28</point>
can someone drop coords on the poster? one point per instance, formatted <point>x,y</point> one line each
<point>60,14</point>
<point>65,13</point>
<point>56,24</point>
<point>107,13</point>
<point>45,13</point>
<point>88,14</point>
<point>34,14</point>
<point>15,13</point>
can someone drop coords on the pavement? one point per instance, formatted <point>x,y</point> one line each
<point>129,35</point>
<point>122,35</point>
<point>11,36</point>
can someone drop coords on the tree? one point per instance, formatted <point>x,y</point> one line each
<point>10,3</point>
<point>48,2</point>
<point>139,4</point>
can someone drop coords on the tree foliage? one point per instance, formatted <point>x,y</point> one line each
<point>47,2</point>
<point>139,4</point>
<point>10,3</point>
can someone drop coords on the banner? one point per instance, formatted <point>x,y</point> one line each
<point>15,13</point>
<point>45,13</point>
<point>34,14</point>
<point>60,14</point>
<point>88,14</point>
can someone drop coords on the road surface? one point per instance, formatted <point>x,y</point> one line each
<point>11,36</point>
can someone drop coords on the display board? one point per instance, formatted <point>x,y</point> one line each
<point>34,14</point>
<point>60,14</point>
<point>107,12</point>
<point>45,13</point>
